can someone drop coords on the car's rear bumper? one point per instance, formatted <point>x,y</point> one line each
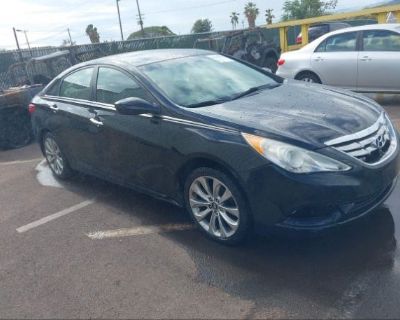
<point>319,200</point>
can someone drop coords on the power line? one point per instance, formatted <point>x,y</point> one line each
<point>192,7</point>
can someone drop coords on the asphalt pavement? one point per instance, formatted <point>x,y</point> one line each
<point>89,249</point>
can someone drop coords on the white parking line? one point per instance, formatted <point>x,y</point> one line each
<point>54,216</point>
<point>19,162</point>
<point>128,232</point>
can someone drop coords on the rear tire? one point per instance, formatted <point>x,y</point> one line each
<point>55,158</point>
<point>309,77</point>
<point>271,64</point>
<point>217,206</point>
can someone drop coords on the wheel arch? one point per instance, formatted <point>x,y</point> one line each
<point>40,136</point>
<point>201,161</point>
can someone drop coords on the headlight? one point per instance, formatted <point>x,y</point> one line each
<point>291,158</point>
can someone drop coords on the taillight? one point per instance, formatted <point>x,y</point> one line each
<point>31,108</point>
<point>281,62</point>
<point>299,40</point>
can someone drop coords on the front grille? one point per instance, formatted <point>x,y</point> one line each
<point>371,145</point>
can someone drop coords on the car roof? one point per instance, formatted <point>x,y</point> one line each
<point>139,58</point>
<point>383,26</point>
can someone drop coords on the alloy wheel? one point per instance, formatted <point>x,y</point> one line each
<point>214,207</point>
<point>54,156</point>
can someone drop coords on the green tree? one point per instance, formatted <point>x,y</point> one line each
<point>93,34</point>
<point>151,32</point>
<point>269,16</point>
<point>234,19</point>
<point>251,12</point>
<point>202,25</point>
<point>301,9</point>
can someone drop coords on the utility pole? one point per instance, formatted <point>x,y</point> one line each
<point>140,17</point>
<point>70,38</point>
<point>19,49</point>
<point>119,18</point>
<point>26,38</point>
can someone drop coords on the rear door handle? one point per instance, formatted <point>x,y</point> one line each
<point>96,122</point>
<point>53,107</point>
<point>318,59</point>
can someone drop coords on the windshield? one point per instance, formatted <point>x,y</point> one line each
<point>204,79</point>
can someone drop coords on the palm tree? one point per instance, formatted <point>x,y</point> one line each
<point>234,19</point>
<point>251,12</point>
<point>93,34</point>
<point>269,16</point>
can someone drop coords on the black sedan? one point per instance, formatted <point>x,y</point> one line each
<point>237,146</point>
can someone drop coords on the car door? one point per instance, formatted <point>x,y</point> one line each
<point>131,144</point>
<point>379,61</point>
<point>70,107</point>
<point>335,60</point>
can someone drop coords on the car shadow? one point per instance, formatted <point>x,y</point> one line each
<point>318,267</point>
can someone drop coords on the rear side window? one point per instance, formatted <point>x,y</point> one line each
<point>381,40</point>
<point>114,85</point>
<point>339,43</point>
<point>53,89</point>
<point>77,85</point>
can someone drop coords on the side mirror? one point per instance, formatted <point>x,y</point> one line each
<point>135,106</point>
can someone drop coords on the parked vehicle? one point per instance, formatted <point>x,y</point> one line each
<point>15,122</point>
<point>317,30</point>
<point>246,45</point>
<point>364,59</point>
<point>236,145</point>
<point>40,70</point>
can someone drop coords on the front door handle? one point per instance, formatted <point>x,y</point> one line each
<point>365,58</point>
<point>96,122</point>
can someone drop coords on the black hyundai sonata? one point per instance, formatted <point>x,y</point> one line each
<point>236,145</point>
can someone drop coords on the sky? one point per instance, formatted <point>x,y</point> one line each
<point>47,21</point>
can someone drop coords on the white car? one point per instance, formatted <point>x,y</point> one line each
<point>363,59</point>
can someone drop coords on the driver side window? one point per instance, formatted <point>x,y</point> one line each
<point>339,43</point>
<point>114,85</point>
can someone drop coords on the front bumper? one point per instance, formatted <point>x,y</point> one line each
<point>319,200</point>
<point>314,218</point>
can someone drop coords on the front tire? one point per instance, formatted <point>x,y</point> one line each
<point>55,158</point>
<point>217,206</point>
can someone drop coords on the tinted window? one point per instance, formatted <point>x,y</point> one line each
<point>339,43</point>
<point>77,85</point>
<point>53,90</point>
<point>381,40</point>
<point>113,85</point>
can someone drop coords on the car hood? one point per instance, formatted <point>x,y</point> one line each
<point>304,112</point>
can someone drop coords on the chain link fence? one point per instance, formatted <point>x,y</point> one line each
<point>15,70</point>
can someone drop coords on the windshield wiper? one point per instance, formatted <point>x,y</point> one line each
<point>254,89</point>
<point>206,103</point>
<point>234,97</point>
